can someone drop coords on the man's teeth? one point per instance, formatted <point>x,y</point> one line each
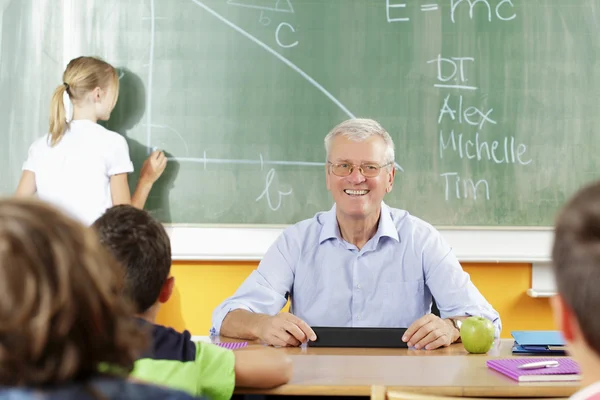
<point>356,192</point>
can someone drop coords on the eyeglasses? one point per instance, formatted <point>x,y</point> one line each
<point>368,170</point>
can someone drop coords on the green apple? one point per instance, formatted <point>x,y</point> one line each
<point>477,334</point>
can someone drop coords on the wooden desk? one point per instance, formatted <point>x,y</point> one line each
<point>450,371</point>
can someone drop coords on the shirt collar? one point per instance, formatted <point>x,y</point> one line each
<point>386,224</point>
<point>331,229</point>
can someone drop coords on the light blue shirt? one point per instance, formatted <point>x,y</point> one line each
<point>387,283</point>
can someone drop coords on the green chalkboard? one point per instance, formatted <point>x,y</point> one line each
<point>492,104</point>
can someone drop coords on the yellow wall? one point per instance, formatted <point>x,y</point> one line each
<point>201,286</point>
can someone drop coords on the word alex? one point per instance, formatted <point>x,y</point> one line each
<point>471,115</point>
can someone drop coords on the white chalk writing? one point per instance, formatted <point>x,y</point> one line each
<point>469,145</point>
<point>503,151</point>
<point>286,46</point>
<point>267,192</point>
<point>471,115</point>
<point>498,11</point>
<point>502,10</point>
<point>468,189</point>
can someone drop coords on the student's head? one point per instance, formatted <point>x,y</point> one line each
<point>576,260</point>
<point>141,245</point>
<point>61,309</point>
<point>90,83</point>
<point>353,146</point>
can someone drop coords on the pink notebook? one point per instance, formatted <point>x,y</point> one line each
<point>232,345</point>
<point>567,369</point>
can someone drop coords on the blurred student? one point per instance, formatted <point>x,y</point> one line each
<point>576,260</point>
<point>65,333</point>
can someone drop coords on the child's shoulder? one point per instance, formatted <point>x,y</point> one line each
<point>110,136</point>
<point>84,129</point>
<point>41,142</point>
<point>169,344</point>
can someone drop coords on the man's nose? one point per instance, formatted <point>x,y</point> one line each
<point>356,176</point>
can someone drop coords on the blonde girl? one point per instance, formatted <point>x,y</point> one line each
<point>80,166</point>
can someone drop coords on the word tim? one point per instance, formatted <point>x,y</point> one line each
<point>464,189</point>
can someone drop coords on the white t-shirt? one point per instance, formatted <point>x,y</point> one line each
<point>75,174</point>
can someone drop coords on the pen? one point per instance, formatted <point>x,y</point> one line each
<point>539,364</point>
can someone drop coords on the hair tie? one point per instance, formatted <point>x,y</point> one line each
<point>68,105</point>
<point>66,85</point>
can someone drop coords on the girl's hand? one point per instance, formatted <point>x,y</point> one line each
<point>153,167</point>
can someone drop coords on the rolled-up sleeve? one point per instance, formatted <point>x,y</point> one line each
<point>118,161</point>
<point>267,288</point>
<point>451,286</point>
<point>31,164</point>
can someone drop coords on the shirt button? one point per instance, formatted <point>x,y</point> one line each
<point>358,317</point>
<point>358,286</point>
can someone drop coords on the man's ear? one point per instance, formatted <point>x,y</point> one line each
<point>167,290</point>
<point>564,319</point>
<point>391,176</point>
<point>327,177</point>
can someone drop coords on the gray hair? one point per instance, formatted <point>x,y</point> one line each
<point>359,130</point>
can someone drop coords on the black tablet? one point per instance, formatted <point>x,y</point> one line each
<point>328,336</point>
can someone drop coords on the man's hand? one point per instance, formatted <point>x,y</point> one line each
<point>153,167</point>
<point>284,329</point>
<point>430,332</point>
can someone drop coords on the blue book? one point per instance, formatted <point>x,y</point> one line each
<point>538,350</point>
<point>538,342</point>
<point>538,338</point>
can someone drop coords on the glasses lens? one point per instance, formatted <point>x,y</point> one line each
<point>341,169</point>
<point>370,170</point>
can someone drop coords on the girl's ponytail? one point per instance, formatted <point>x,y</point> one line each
<point>58,115</point>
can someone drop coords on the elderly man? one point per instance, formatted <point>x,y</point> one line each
<point>360,264</point>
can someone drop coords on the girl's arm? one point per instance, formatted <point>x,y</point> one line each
<point>152,169</point>
<point>26,187</point>
<point>119,189</point>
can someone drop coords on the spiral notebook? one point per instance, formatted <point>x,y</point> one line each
<point>567,370</point>
<point>232,345</point>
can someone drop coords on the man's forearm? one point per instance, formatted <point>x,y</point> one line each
<point>242,324</point>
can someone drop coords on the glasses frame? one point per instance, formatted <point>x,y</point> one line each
<point>360,168</point>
